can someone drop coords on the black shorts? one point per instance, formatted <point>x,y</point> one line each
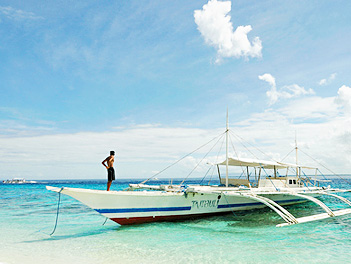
<point>111,174</point>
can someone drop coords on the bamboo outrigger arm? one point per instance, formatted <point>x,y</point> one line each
<point>316,201</point>
<point>281,211</point>
<point>337,196</point>
<point>329,212</point>
<point>287,216</point>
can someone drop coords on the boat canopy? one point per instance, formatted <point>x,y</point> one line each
<point>261,163</point>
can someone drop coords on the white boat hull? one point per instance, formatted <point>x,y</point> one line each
<point>135,207</point>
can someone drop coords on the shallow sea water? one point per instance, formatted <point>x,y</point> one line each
<point>28,213</point>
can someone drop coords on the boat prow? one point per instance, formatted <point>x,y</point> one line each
<point>54,189</point>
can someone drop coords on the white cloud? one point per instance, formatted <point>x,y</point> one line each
<point>286,92</point>
<point>294,90</point>
<point>140,150</point>
<point>17,14</point>
<point>268,78</point>
<point>323,132</point>
<point>344,98</point>
<point>214,23</point>
<point>272,94</point>
<point>328,80</point>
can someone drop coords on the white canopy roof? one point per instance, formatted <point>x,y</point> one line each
<point>260,163</point>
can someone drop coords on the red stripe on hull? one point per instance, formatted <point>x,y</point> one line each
<point>148,219</point>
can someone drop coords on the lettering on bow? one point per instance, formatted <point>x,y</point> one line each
<point>205,203</point>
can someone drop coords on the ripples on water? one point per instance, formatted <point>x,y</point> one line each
<point>28,212</point>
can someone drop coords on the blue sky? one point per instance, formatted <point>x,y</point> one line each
<point>87,74</point>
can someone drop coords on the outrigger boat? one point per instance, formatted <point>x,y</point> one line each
<point>142,203</point>
<point>17,181</point>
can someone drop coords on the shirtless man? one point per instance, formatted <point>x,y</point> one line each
<point>110,170</point>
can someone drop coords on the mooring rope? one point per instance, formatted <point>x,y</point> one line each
<point>105,221</point>
<point>57,212</point>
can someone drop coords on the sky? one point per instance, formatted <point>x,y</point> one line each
<point>152,80</point>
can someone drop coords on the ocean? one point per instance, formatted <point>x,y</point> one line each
<point>28,214</point>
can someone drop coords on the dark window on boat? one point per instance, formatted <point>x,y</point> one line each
<point>290,181</point>
<point>294,181</point>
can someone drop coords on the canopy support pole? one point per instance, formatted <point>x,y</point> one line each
<point>219,173</point>
<point>259,176</point>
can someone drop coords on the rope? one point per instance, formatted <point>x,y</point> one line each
<point>200,161</point>
<point>242,168</point>
<point>287,154</point>
<point>231,209</point>
<point>213,166</point>
<point>326,167</point>
<point>306,184</point>
<point>105,221</point>
<point>220,149</point>
<point>241,142</point>
<point>205,174</point>
<point>181,159</point>
<point>273,184</point>
<point>213,169</point>
<point>269,177</point>
<point>57,212</point>
<point>325,178</point>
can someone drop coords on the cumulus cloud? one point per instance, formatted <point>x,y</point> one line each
<point>328,80</point>
<point>343,99</point>
<point>17,14</point>
<point>285,92</point>
<point>214,24</point>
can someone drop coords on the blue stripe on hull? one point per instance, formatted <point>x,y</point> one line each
<point>184,208</point>
<point>220,206</point>
<point>258,203</point>
<point>135,210</point>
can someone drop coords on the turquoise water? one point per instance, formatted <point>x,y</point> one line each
<point>28,213</point>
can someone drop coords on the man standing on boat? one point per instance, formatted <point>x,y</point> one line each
<point>110,170</point>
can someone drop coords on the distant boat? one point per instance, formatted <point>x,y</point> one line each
<point>17,181</point>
